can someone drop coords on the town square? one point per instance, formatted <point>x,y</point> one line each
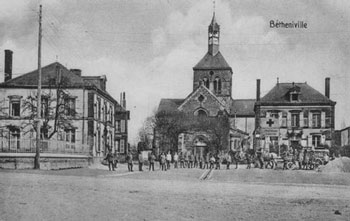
<point>174,110</point>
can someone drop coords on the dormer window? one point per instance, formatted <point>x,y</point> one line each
<point>294,93</point>
<point>294,97</point>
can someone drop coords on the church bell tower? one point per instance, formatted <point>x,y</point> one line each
<point>213,36</point>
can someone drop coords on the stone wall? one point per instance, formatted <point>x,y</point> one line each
<point>47,161</point>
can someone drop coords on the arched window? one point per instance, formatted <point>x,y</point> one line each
<point>201,113</point>
<point>217,85</point>
<point>206,82</point>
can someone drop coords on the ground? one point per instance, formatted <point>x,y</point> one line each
<point>98,194</point>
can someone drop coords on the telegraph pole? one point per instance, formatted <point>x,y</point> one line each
<point>38,120</point>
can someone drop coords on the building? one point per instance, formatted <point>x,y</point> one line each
<point>212,97</point>
<point>294,114</point>
<point>79,115</point>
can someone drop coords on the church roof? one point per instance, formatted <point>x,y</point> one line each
<point>243,107</point>
<point>280,94</point>
<point>169,105</point>
<point>212,62</point>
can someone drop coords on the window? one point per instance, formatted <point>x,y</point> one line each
<point>295,119</point>
<point>122,146</point>
<point>294,96</point>
<point>118,125</point>
<point>15,107</point>
<point>98,108</point>
<point>328,120</point>
<point>122,126</point>
<point>201,98</point>
<point>316,120</point>
<point>306,119</point>
<point>44,106</point>
<point>206,82</point>
<point>15,136</point>
<point>217,85</point>
<point>316,140</point>
<point>69,104</point>
<point>70,135</point>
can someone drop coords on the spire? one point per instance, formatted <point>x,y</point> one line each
<point>213,35</point>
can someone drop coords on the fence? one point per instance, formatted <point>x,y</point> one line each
<point>47,146</point>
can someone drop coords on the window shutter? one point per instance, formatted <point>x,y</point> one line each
<point>289,118</point>
<point>310,120</point>
<point>301,119</point>
<point>323,119</point>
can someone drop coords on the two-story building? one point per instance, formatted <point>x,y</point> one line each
<point>87,124</point>
<point>294,114</point>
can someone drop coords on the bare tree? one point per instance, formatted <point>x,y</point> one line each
<point>168,126</point>
<point>57,109</point>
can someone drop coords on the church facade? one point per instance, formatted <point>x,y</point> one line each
<point>212,97</point>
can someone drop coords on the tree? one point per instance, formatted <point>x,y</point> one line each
<point>169,125</point>
<point>57,109</point>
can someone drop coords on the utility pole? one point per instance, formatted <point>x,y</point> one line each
<point>38,120</point>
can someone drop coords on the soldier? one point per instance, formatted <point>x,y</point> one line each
<point>152,158</point>
<point>191,159</point>
<point>109,158</point>
<point>168,160</point>
<point>228,161</point>
<point>140,161</point>
<point>182,160</point>
<point>260,157</point>
<point>201,161</point>
<point>115,160</point>
<point>176,158</point>
<point>129,161</point>
<point>212,161</point>
<point>207,160</point>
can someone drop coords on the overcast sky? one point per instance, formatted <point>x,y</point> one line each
<point>148,48</point>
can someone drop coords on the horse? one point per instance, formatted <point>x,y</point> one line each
<point>242,156</point>
<point>266,159</point>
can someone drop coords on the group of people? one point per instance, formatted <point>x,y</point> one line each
<point>181,160</point>
<point>190,160</point>
<point>304,159</point>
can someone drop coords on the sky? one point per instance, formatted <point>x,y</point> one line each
<point>147,48</point>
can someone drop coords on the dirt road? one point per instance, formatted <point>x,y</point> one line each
<point>173,195</point>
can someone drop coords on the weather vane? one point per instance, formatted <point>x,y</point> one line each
<point>214,6</point>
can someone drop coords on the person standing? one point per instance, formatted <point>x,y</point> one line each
<point>152,158</point>
<point>140,161</point>
<point>196,161</point>
<point>115,160</point>
<point>182,160</point>
<point>129,161</point>
<point>109,158</point>
<point>207,160</point>
<point>201,161</point>
<point>228,161</point>
<point>191,159</point>
<point>212,162</point>
<point>187,160</point>
<point>163,161</point>
<point>168,160</point>
<point>176,159</point>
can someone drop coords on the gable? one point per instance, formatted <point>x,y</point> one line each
<point>204,100</point>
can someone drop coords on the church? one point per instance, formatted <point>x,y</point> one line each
<point>212,97</point>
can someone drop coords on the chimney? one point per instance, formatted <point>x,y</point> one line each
<point>76,72</point>
<point>257,89</point>
<point>327,86</point>
<point>124,101</point>
<point>8,65</point>
<point>103,81</point>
